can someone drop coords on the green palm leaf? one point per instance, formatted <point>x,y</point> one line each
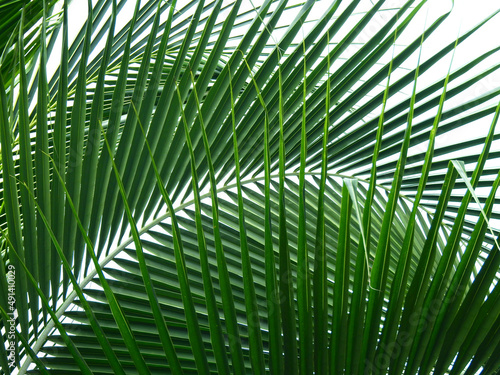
<point>247,187</point>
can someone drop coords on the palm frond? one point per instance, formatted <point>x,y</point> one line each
<point>247,187</point>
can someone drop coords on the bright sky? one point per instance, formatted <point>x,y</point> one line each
<point>465,15</point>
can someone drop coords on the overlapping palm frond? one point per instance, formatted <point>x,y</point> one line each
<point>247,187</point>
